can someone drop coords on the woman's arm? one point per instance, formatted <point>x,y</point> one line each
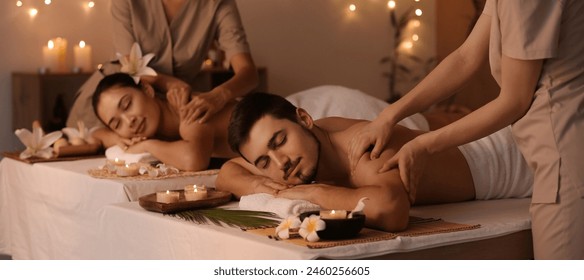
<point>441,83</point>
<point>205,105</point>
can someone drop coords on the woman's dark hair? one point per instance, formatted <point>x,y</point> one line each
<point>252,108</point>
<point>112,81</point>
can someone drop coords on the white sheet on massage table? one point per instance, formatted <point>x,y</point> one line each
<point>50,210</point>
<point>134,233</point>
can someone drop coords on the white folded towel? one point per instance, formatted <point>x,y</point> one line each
<point>283,207</point>
<point>115,151</point>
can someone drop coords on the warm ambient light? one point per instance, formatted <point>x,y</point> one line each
<point>51,44</point>
<point>33,12</point>
<point>47,2</point>
<point>391,4</point>
<point>416,23</point>
<point>415,37</point>
<point>352,7</point>
<point>82,44</point>
<point>90,4</point>
<point>418,12</point>
<point>18,3</point>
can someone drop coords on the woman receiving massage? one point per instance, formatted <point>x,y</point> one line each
<point>135,111</point>
<point>286,153</point>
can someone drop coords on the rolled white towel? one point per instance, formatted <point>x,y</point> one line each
<point>283,207</point>
<point>115,151</point>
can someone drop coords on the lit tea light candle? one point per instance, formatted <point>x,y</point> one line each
<point>116,162</point>
<point>127,170</point>
<point>333,214</point>
<point>194,192</point>
<point>167,197</point>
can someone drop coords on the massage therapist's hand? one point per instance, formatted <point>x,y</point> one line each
<point>178,97</point>
<point>376,133</point>
<point>411,161</point>
<point>267,185</point>
<point>203,106</point>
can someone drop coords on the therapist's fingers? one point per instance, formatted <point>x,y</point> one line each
<point>389,164</point>
<point>377,149</point>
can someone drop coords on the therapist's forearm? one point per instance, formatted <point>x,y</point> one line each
<point>437,86</point>
<point>246,78</point>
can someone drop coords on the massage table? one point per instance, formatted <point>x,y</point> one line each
<point>55,210</point>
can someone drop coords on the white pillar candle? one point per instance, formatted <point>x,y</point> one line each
<point>50,56</point>
<point>194,192</point>
<point>127,170</point>
<point>333,214</point>
<point>167,197</point>
<point>82,53</point>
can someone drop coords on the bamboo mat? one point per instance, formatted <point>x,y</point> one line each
<point>416,227</point>
<point>104,174</point>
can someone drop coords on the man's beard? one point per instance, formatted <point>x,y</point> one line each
<point>311,175</point>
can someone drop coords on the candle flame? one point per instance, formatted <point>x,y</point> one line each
<point>391,4</point>
<point>18,3</point>
<point>167,192</point>
<point>51,45</point>
<point>90,4</point>
<point>82,44</point>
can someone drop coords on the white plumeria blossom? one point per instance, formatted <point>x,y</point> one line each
<point>37,144</point>
<point>310,226</point>
<point>283,230</point>
<point>81,131</point>
<point>359,207</point>
<point>135,64</point>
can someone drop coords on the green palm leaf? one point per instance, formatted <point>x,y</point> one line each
<point>234,218</point>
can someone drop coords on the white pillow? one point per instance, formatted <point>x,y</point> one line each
<point>338,101</point>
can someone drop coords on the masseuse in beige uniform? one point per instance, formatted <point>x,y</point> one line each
<point>179,33</point>
<point>535,50</point>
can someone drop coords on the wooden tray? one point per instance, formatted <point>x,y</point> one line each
<point>214,198</point>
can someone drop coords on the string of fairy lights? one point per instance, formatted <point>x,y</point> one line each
<point>33,7</point>
<point>414,23</point>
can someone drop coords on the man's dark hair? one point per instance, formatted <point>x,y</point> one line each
<point>252,108</point>
<point>111,81</point>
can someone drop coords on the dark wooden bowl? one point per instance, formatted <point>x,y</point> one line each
<point>338,229</point>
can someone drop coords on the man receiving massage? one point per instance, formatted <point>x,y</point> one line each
<point>135,111</point>
<point>286,153</point>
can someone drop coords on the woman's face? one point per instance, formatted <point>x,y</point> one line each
<point>129,112</point>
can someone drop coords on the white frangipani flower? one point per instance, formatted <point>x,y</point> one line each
<point>283,230</point>
<point>81,133</point>
<point>135,64</point>
<point>359,207</point>
<point>37,144</point>
<point>310,226</point>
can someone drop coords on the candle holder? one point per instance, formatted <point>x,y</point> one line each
<point>338,228</point>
